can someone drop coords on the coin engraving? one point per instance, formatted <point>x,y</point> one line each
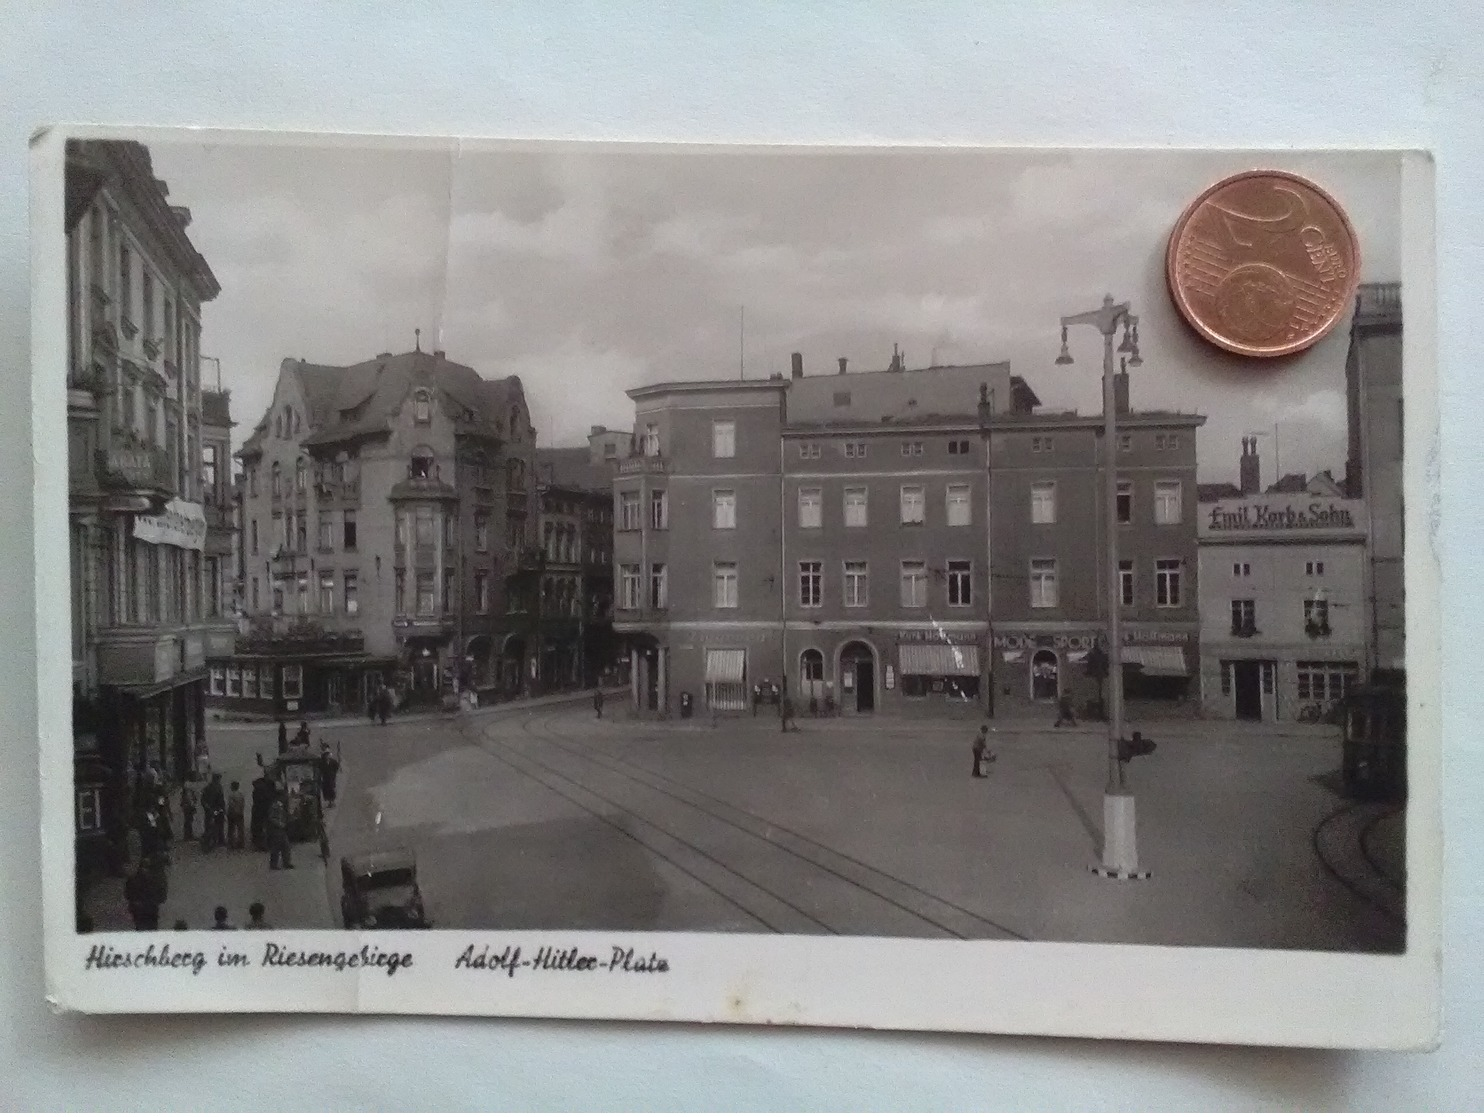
<point>1263,263</point>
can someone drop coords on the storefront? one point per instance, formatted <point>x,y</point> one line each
<point>933,672</point>
<point>1034,670</point>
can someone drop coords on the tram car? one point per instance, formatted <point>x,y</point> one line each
<point>1373,725</point>
<point>297,772</point>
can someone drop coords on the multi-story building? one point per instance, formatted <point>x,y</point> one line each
<point>858,538</point>
<point>1373,472</point>
<point>1284,622</point>
<point>141,612</point>
<point>385,502</point>
<point>219,502</point>
<point>1048,599</point>
<point>561,599</point>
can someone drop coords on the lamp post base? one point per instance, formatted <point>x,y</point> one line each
<point>1120,849</point>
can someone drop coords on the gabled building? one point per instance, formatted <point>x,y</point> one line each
<point>385,504</point>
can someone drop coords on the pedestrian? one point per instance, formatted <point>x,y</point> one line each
<point>301,736</point>
<point>598,703</point>
<point>371,704</point>
<point>757,697</point>
<point>786,713</point>
<point>220,915</point>
<point>981,753</point>
<point>188,803</point>
<point>283,737</point>
<point>1065,715</point>
<point>255,920</point>
<point>203,758</point>
<point>149,832</point>
<point>236,807</point>
<point>214,813</point>
<point>386,704</point>
<point>329,769</point>
<point>262,797</point>
<point>280,855</point>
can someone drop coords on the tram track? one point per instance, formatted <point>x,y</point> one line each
<point>1341,819</point>
<point>790,852</point>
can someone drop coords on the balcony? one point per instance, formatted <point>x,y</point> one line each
<point>643,465</point>
<point>344,492</point>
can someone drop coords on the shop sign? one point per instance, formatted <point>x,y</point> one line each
<point>1301,513</point>
<point>1085,641</point>
<point>181,524</point>
<point>934,636</point>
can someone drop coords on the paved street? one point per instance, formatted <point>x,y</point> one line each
<point>545,817</point>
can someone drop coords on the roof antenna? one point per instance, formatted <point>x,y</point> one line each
<point>418,334</point>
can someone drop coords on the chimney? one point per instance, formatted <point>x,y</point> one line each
<point>1250,468</point>
<point>440,355</point>
<point>798,366</point>
<point>896,359</point>
<point>842,366</point>
<point>597,430</point>
<point>1120,393</point>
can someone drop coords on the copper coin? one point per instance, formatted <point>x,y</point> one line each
<point>1264,263</point>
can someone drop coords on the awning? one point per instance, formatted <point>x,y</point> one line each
<point>1157,660</point>
<point>726,665</point>
<point>938,659</point>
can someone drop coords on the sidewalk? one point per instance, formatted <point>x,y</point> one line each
<point>610,694</point>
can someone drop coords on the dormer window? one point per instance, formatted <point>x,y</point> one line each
<point>515,422</point>
<point>422,407</point>
<point>422,467</point>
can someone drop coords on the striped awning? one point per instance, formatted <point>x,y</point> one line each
<point>726,665</point>
<point>1157,660</point>
<point>938,659</point>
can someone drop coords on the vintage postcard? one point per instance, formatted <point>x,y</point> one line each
<point>957,589</point>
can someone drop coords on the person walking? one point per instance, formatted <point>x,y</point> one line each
<point>598,703</point>
<point>786,713</point>
<point>982,753</point>
<point>214,811</point>
<point>329,773</point>
<point>188,803</point>
<point>255,921</point>
<point>283,737</point>
<point>1065,715</point>
<point>262,796</point>
<point>384,704</point>
<point>280,855</point>
<point>236,808</point>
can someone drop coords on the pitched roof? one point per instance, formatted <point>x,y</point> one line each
<point>571,467</point>
<point>1290,483</point>
<point>940,391</point>
<point>1216,490</point>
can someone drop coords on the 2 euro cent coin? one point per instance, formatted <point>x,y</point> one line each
<point>1263,263</point>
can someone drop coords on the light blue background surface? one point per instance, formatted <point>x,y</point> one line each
<point>1255,73</point>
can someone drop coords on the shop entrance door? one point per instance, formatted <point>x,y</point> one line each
<point>1247,687</point>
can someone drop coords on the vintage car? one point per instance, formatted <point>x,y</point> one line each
<point>378,891</point>
<point>297,772</point>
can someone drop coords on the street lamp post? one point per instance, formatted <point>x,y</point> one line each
<point>1120,857</point>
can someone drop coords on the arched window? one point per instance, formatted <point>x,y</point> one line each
<point>1045,676</point>
<point>422,407</point>
<point>422,466</point>
<point>278,426</point>
<point>300,475</point>
<point>277,480</point>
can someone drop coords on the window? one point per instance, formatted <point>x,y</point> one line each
<point>449,595</point>
<point>280,540</point>
<point>659,510</point>
<point>326,531</point>
<point>481,531</point>
<point>427,602</point>
<point>89,810</point>
<point>351,587</point>
<point>450,529</point>
<point>126,284</point>
<point>1125,502</point>
<point>811,584</point>
<point>651,440</point>
<point>348,528</point>
<point>853,449</point>
<point>1125,443</point>
<point>960,582</point>
<point>1167,582</point>
<point>218,680</point>
<point>723,508</point>
<point>1126,581</point>
<point>293,681</point>
<point>401,591</point>
<point>724,585</point>
<point>1167,502</point>
<point>249,682</point>
<point>301,475</point>
<point>481,591</point>
<point>277,480</point>
<point>1167,442</point>
<point>327,592</point>
<point>1316,616</point>
<point>628,510</point>
<point>1043,502</point>
<point>855,506</point>
<point>959,512</point>
<point>301,532</point>
<point>303,594</point>
<point>628,586</point>
<point>723,439</point>
<point>234,682</point>
<point>252,480</point>
<point>659,597</point>
<point>1314,569</point>
<point>811,512</point>
<point>1043,584</point>
<point>255,605</point>
<point>912,449</point>
<point>422,408</point>
<point>1041,444</point>
<point>857,585</point>
<point>277,595</point>
<point>914,584</point>
<point>254,534</point>
<point>208,471</point>
<point>1244,616</point>
<point>401,527</point>
<point>424,532</point>
<point>958,446</point>
<point>1241,570</point>
<point>913,504</point>
<point>1325,682</point>
<point>808,450</point>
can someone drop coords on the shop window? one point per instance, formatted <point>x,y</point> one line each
<point>89,810</point>
<point>234,682</point>
<point>1325,682</point>
<point>951,687</point>
<point>249,682</point>
<point>218,683</point>
<point>293,682</point>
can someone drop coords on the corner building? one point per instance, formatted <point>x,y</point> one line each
<point>384,504</point>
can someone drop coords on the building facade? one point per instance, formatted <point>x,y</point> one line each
<point>1049,594</point>
<point>384,505</point>
<point>1283,612</point>
<point>1374,471</point>
<point>218,500</point>
<point>142,611</point>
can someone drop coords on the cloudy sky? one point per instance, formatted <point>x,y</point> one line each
<point>588,271</point>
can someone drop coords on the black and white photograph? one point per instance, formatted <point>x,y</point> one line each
<point>573,562</point>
